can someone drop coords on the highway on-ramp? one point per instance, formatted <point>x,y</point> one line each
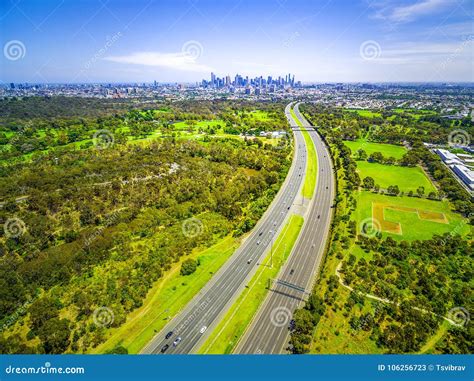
<point>193,324</point>
<point>269,331</point>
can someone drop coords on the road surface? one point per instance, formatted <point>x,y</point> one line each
<point>269,331</point>
<point>195,322</point>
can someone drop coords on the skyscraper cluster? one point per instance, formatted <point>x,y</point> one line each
<point>268,83</point>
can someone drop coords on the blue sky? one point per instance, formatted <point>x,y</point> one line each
<point>182,41</point>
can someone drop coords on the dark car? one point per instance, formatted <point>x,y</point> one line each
<point>292,271</point>
<point>169,334</point>
<point>292,325</point>
<point>165,348</point>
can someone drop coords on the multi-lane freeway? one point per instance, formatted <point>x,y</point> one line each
<point>269,331</point>
<point>188,330</point>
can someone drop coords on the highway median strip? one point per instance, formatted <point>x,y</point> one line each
<point>230,330</point>
<point>309,184</point>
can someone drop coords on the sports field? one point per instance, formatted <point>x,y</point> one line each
<point>386,149</point>
<point>407,218</point>
<point>407,178</point>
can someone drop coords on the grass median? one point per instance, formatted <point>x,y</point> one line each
<point>230,330</point>
<point>311,164</point>
<point>168,296</point>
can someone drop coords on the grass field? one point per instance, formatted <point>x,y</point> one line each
<point>386,149</point>
<point>407,178</point>
<point>229,331</point>
<point>413,225</point>
<point>365,113</point>
<point>311,165</point>
<point>168,296</point>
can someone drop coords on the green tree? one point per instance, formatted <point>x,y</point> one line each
<point>188,266</point>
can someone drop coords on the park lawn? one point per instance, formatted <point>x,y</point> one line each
<point>169,295</point>
<point>201,124</point>
<point>260,115</point>
<point>232,327</point>
<point>387,150</point>
<point>365,113</point>
<point>412,227</point>
<point>407,178</point>
<point>312,163</point>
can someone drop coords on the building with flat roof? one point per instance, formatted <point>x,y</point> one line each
<point>465,174</point>
<point>446,155</point>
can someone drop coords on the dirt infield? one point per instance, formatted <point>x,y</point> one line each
<point>378,214</point>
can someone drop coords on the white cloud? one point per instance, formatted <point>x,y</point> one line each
<point>406,13</point>
<point>176,61</point>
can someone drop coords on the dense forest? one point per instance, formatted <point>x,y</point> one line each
<point>98,222</point>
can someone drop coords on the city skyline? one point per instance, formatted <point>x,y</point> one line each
<point>143,41</point>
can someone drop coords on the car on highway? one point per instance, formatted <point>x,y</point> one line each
<point>249,261</point>
<point>203,329</point>
<point>169,334</point>
<point>258,242</point>
<point>177,341</point>
<point>292,271</point>
<point>165,348</point>
<point>259,234</point>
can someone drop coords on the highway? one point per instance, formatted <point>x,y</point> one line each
<point>197,320</point>
<point>269,331</point>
